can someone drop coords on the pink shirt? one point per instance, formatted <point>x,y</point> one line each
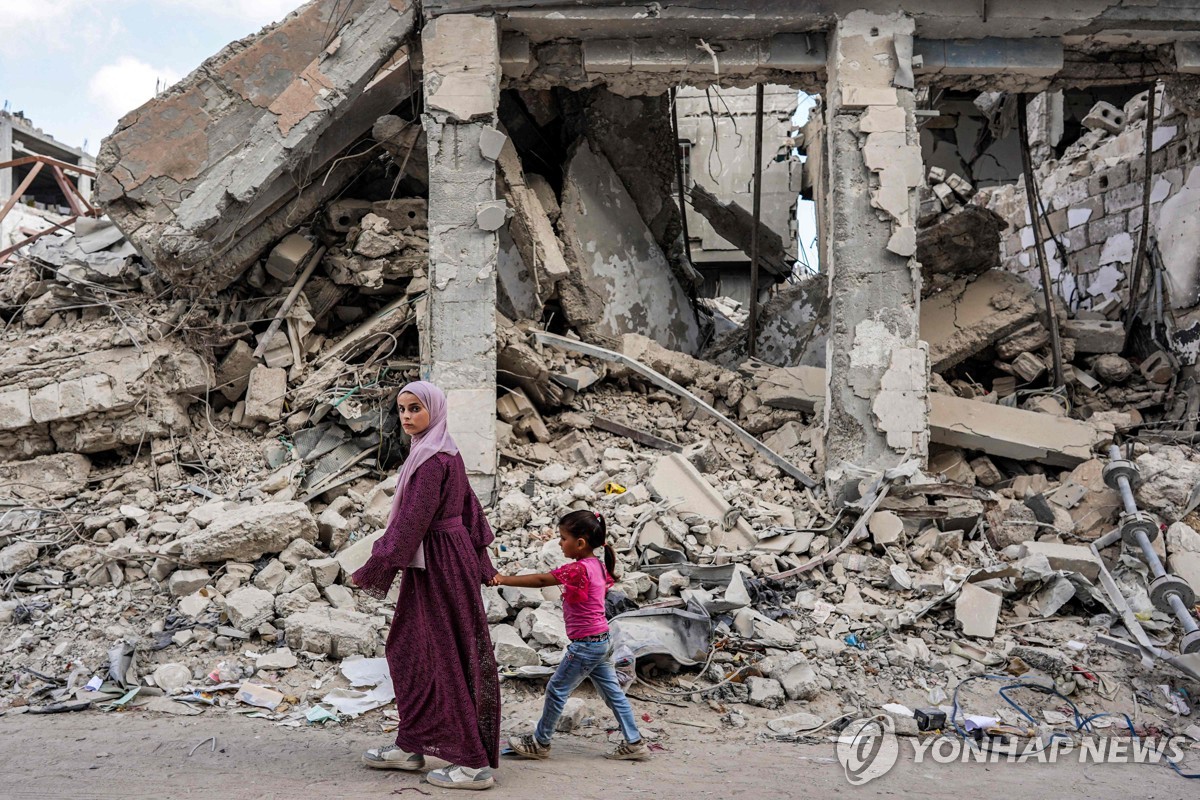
<point>585,583</point>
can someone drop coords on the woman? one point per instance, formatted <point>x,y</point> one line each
<point>439,651</point>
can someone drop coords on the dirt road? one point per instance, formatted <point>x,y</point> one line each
<point>130,756</point>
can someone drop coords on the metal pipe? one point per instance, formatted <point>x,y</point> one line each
<point>1182,612</point>
<point>1039,247</point>
<point>752,325</point>
<point>1151,557</point>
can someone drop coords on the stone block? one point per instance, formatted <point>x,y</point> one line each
<point>246,533</point>
<point>765,692</point>
<point>249,607</point>
<point>187,581</point>
<point>336,632</point>
<point>511,650</point>
<point>1068,557</point>
<point>233,373</point>
<point>1105,117</point>
<point>265,394</point>
<point>1095,336</point>
<point>285,258</point>
<point>977,611</point>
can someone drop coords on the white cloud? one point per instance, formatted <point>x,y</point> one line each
<point>122,86</point>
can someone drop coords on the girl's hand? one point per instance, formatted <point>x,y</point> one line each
<point>497,580</point>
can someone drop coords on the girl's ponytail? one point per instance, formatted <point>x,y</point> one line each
<point>591,526</point>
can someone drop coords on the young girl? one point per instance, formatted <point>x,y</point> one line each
<point>585,582</point>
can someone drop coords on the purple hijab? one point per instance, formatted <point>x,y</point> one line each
<point>435,439</point>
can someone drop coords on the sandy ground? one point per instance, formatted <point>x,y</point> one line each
<point>134,755</point>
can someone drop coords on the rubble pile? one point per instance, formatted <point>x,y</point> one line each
<point>197,453</point>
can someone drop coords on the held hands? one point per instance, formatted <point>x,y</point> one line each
<point>496,580</point>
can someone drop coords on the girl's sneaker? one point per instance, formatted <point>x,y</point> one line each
<point>629,751</point>
<point>527,746</point>
<point>456,777</point>
<point>392,757</point>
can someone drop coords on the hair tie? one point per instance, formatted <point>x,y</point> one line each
<point>597,513</point>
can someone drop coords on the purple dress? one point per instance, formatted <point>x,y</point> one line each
<point>439,649</point>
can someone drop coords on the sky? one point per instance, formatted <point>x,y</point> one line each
<point>77,66</point>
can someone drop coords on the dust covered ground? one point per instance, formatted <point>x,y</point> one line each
<point>133,755</point>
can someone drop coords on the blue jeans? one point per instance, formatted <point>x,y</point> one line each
<point>592,660</point>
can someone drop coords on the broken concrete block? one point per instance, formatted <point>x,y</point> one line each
<point>886,528</point>
<point>49,476</point>
<point>945,196</point>
<point>1112,368</point>
<point>233,373</point>
<point>543,625</point>
<point>1067,557</point>
<point>765,692</point>
<point>1159,367</point>
<point>1095,336</point>
<point>246,533</point>
<point>977,611</point>
<point>1029,338</point>
<point>573,715</point>
<point>17,556</point>
<point>510,649</point>
<point>491,142</point>
<point>286,257</point>
<point>265,392</point>
<point>953,464</point>
<point>675,478</point>
<point>1097,509</point>
<point>794,673</point>
<point>187,581</point>
<point>1183,552</point>
<point>333,631</point>
<point>495,605</point>
<point>986,471</point>
<point>967,317</point>
<point>1029,367</point>
<point>339,597</point>
<point>249,607</point>
<point>514,510</point>
<point>1105,117</point>
<point>271,577</point>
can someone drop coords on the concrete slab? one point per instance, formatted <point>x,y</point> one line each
<point>969,316</point>
<point>621,282</point>
<point>969,424</point>
<point>674,478</point>
<point>977,610</point>
<point>203,178</point>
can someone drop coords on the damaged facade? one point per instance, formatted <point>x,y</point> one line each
<point>909,471</point>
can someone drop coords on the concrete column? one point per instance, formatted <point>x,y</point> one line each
<point>458,337</point>
<point>6,154</point>
<point>876,408</point>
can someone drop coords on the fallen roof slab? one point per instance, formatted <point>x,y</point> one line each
<point>970,424</point>
<point>200,178</point>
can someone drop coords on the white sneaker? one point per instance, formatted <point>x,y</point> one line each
<point>392,757</point>
<point>456,777</point>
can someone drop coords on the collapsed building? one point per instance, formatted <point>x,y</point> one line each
<point>873,466</point>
